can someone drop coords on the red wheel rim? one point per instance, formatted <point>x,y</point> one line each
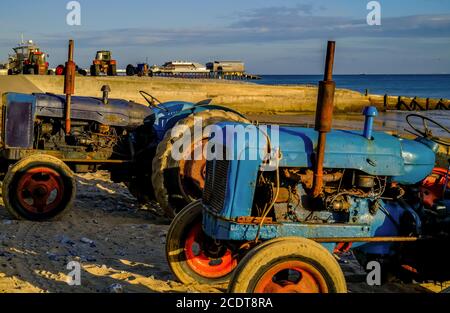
<point>192,171</point>
<point>59,70</point>
<point>200,262</point>
<point>40,190</point>
<point>292,277</point>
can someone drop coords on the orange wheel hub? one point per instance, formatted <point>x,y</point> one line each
<point>202,261</point>
<point>292,277</point>
<point>40,190</point>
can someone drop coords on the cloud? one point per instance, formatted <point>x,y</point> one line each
<point>274,16</point>
<point>265,32</point>
<point>266,25</point>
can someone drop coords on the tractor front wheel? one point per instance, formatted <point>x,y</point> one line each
<point>177,182</point>
<point>192,256</point>
<point>38,188</point>
<point>288,265</point>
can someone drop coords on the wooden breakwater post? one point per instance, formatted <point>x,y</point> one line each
<point>400,103</point>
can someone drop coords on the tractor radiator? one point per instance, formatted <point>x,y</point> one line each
<point>216,184</point>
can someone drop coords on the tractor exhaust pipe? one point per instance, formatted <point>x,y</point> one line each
<point>69,85</point>
<point>324,118</point>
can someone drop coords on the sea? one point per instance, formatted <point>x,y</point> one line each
<point>422,86</point>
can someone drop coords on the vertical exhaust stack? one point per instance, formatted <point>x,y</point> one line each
<point>69,85</point>
<point>324,117</point>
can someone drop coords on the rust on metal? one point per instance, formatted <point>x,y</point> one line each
<point>193,171</point>
<point>324,118</point>
<point>254,220</point>
<point>308,178</point>
<point>69,85</point>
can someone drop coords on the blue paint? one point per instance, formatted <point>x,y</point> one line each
<point>403,161</point>
<point>370,113</point>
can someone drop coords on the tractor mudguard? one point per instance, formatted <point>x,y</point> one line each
<point>196,109</point>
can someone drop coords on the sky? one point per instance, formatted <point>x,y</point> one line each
<point>270,36</point>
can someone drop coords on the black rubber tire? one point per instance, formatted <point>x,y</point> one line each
<point>131,70</point>
<point>165,170</point>
<point>95,70</point>
<point>175,242</point>
<point>261,259</point>
<point>60,70</point>
<point>112,70</point>
<point>11,179</point>
<point>28,70</point>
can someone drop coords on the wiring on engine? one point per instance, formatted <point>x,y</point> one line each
<point>268,209</point>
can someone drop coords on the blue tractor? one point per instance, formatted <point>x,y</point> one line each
<point>274,223</point>
<point>46,138</point>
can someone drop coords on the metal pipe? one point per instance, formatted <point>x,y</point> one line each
<point>370,113</point>
<point>324,117</point>
<point>366,239</point>
<point>86,161</point>
<point>69,85</point>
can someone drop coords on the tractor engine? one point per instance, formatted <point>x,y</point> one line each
<point>87,137</point>
<point>342,190</point>
<point>101,129</point>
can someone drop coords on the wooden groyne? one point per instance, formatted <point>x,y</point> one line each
<point>399,103</point>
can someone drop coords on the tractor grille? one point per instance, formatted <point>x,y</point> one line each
<point>216,184</point>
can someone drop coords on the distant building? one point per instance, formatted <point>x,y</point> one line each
<point>175,67</point>
<point>226,67</point>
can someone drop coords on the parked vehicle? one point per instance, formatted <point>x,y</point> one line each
<point>36,64</point>
<point>272,224</point>
<point>28,59</point>
<point>142,69</point>
<point>104,64</point>
<point>46,138</point>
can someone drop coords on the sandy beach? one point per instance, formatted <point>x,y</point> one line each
<point>116,242</point>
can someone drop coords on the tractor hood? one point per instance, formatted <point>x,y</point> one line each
<point>405,161</point>
<point>117,112</point>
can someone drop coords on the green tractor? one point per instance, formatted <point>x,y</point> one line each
<point>103,63</point>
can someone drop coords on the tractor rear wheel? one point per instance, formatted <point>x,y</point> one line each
<point>39,188</point>
<point>95,70</point>
<point>112,70</point>
<point>192,256</point>
<point>131,70</point>
<point>177,183</point>
<point>28,70</point>
<point>288,265</point>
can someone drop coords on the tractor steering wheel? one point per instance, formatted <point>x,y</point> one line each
<point>152,101</point>
<point>426,131</point>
